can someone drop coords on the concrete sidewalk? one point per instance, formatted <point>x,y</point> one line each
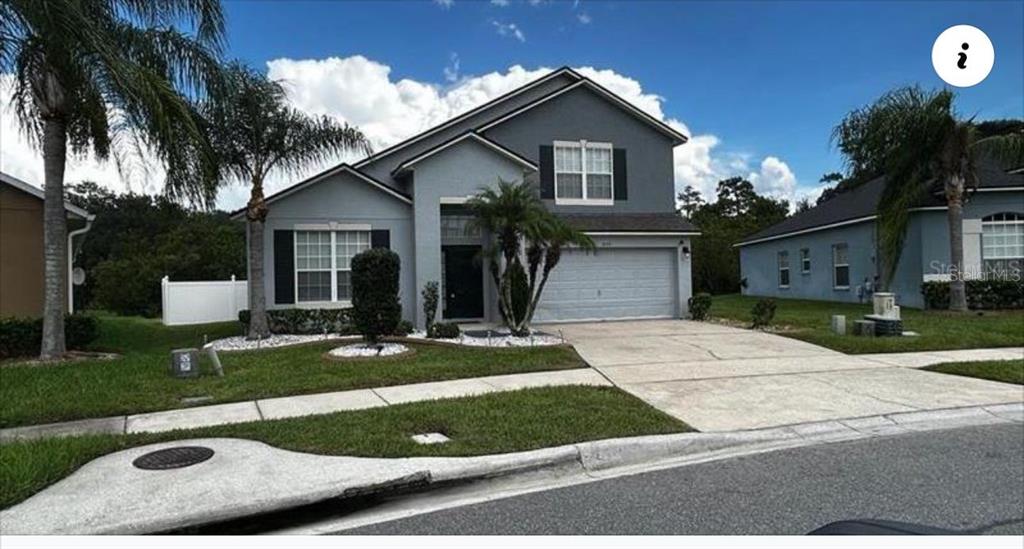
<point>244,478</point>
<point>304,405</point>
<point>720,378</point>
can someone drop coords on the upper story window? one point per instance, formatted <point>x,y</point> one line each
<point>323,264</point>
<point>805,261</point>
<point>1002,243</point>
<point>583,173</point>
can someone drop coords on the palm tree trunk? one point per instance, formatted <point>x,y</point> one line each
<point>256,215</point>
<point>955,211</point>
<point>55,239</point>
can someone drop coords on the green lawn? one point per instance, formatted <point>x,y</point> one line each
<point>1007,371</point>
<point>940,330</point>
<point>139,381</point>
<point>495,423</point>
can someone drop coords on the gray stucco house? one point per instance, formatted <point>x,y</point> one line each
<point>829,251</point>
<point>599,162</point>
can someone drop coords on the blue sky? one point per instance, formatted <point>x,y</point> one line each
<point>751,80</point>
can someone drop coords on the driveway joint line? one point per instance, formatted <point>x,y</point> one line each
<point>858,393</point>
<point>682,380</point>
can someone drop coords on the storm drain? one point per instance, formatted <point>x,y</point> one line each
<point>173,458</point>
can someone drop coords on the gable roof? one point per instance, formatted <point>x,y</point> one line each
<point>472,135</point>
<point>341,168</point>
<point>38,193</point>
<point>677,137</point>
<point>861,204</point>
<point>564,71</point>
<point>660,223</point>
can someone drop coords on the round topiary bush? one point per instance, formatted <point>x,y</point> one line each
<point>376,309</point>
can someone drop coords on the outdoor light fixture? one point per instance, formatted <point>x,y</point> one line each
<point>686,252</point>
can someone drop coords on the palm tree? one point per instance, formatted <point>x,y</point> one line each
<point>529,243</point>
<point>254,131</point>
<point>106,76</point>
<point>917,140</point>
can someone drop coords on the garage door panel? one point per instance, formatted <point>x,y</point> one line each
<point>611,283</point>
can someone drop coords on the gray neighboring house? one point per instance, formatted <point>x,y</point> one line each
<point>829,252</point>
<point>599,162</point>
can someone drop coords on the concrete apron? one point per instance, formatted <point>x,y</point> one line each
<point>244,478</point>
<point>720,378</point>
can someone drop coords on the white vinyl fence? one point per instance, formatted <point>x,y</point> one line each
<point>201,302</point>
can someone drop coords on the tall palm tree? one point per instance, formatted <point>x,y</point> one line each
<point>529,241</point>
<point>917,140</point>
<point>254,131</point>
<point>106,76</point>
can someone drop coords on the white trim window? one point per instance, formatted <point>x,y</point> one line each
<point>805,261</point>
<point>783,269</point>
<point>840,267</point>
<point>323,264</point>
<point>1002,243</point>
<point>584,174</point>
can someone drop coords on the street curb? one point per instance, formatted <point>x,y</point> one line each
<point>585,461</point>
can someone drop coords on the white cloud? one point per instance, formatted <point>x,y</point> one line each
<point>363,92</point>
<point>584,18</point>
<point>499,3</point>
<point>509,29</point>
<point>446,4</point>
<point>451,71</point>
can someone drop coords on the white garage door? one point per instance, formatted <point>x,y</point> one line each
<point>611,283</point>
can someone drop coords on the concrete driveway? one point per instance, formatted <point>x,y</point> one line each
<point>718,378</point>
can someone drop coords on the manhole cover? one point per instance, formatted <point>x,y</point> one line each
<point>173,458</point>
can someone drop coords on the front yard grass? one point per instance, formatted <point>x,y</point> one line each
<point>939,330</point>
<point>1007,371</point>
<point>495,423</point>
<point>139,381</point>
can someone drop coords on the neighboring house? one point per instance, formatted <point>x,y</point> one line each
<point>829,251</point>
<point>21,246</point>
<point>599,162</point>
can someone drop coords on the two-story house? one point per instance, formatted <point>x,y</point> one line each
<point>598,161</point>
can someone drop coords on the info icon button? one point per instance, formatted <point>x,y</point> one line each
<point>963,56</point>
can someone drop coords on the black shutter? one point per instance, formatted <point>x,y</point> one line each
<point>380,239</point>
<point>284,267</point>
<point>547,172</point>
<point>619,163</point>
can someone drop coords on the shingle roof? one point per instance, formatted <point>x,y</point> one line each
<point>660,222</point>
<point>862,203</point>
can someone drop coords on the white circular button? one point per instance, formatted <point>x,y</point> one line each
<point>963,56</point>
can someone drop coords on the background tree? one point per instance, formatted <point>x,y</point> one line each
<point>254,131</point>
<point>91,75</point>
<point>918,141</point>
<point>689,200</point>
<point>528,240</point>
<point>738,211</point>
<point>837,183</point>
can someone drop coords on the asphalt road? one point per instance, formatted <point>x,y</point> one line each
<point>968,479</point>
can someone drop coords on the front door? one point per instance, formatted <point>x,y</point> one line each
<point>463,282</point>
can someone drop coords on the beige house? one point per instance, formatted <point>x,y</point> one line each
<point>21,246</point>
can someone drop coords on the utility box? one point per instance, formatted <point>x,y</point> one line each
<point>185,363</point>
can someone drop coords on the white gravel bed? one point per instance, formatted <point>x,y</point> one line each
<point>496,340</point>
<point>239,343</point>
<point>368,350</point>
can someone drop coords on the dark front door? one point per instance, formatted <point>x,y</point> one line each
<point>463,282</point>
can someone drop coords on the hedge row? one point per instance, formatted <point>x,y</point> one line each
<point>21,337</point>
<point>304,321</point>
<point>981,294</point>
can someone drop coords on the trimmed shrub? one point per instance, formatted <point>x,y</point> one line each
<point>763,313</point>
<point>444,330</point>
<point>430,300</point>
<point>376,310</point>
<point>304,321</point>
<point>981,294</point>
<point>23,336</point>
<point>700,306</point>
<point>404,328</point>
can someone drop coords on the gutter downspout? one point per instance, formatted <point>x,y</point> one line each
<point>71,255</point>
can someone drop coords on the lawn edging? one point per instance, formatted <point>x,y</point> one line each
<point>78,514</point>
